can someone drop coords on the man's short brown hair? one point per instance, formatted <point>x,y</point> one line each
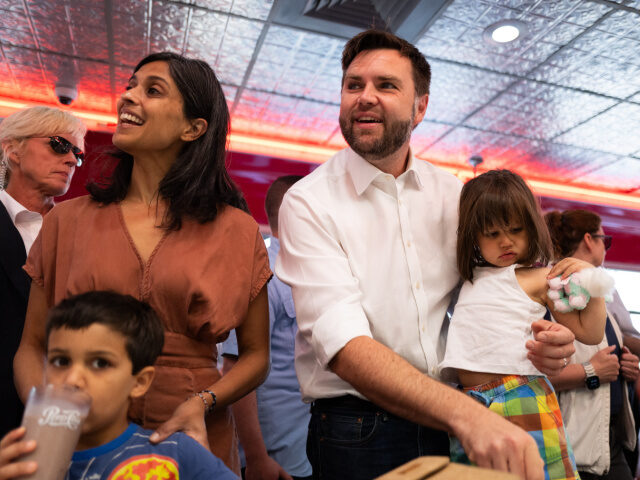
<point>379,39</point>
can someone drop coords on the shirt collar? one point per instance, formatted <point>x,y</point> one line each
<point>412,172</point>
<point>12,205</point>
<point>363,173</point>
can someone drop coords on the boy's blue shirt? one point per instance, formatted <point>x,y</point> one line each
<point>131,455</point>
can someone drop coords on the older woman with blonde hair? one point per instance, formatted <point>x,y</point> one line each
<point>41,148</point>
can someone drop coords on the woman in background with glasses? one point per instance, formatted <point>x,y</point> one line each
<point>41,148</point>
<point>593,394</point>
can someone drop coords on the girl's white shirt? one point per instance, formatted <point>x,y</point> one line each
<point>490,326</point>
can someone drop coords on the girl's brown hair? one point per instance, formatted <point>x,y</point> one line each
<point>567,229</point>
<point>497,199</point>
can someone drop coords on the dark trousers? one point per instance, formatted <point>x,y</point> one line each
<point>355,439</point>
<point>242,474</point>
<point>619,468</point>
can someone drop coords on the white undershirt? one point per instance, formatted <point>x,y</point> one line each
<point>27,222</point>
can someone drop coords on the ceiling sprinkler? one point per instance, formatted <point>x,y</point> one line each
<point>474,161</point>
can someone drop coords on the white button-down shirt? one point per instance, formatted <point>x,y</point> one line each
<point>367,254</point>
<point>27,222</point>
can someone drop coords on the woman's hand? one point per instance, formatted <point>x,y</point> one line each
<point>188,418</point>
<point>11,448</point>
<point>606,364</point>
<point>629,365</point>
<point>567,266</point>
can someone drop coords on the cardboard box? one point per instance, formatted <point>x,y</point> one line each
<point>440,468</point>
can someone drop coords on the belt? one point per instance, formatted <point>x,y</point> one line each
<point>346,401</point>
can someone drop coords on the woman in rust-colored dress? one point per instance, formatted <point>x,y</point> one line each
<point>170,228</point>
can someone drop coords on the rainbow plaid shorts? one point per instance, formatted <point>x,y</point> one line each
<point>531,403</point>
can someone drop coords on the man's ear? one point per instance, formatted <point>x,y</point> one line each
<point>142,381</point>
<point>421,108</point>
<point>197,127</point>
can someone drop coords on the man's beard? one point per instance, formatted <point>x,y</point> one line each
<point>394,135</point>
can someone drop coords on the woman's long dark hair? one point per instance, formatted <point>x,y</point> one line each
<point>197,183</point>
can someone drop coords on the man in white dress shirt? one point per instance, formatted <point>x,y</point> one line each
<point>368,246</point>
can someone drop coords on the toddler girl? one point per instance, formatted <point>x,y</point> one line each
<point>501,235</point>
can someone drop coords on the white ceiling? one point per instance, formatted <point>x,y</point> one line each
<point>561,104</point>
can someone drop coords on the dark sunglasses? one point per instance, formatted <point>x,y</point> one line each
<point>62,146</point>
<point>606,239</point>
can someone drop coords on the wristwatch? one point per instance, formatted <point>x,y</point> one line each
<point>592,381</point>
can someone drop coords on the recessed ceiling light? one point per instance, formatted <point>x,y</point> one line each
<point>504,31</point>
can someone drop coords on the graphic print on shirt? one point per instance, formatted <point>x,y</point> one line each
<point>146,467</point>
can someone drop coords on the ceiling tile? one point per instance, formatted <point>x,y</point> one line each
<point>425,134</point>
<point>14,20</point>
<point>538,111</point>
<point>621,124</point>
<point>90,41</point>
<point>11,5</point>
<point>288,63</point>
<point>622,23</point>
<point>53,35</point>
<point>134,7</point>
<point>23,38</point>
<point>220,5</point>
<point>130,36</point>
<point>456,90</point>
<point>48,10</point>
<point>207,21</point>
<point>257,9</point>
<point>169,12</point>
<point>586,13</point>
<point>622,175</point>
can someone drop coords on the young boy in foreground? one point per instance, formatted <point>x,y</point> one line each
<point>105,344</point>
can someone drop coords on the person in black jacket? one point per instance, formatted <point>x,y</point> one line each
<point>41,147</point>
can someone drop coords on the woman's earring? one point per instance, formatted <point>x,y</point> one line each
<point>3,173</point>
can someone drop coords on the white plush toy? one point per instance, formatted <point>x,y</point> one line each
<point>574,292</point>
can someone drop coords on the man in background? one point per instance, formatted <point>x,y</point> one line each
<point>272,421</point>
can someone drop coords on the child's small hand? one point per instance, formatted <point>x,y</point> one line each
<point>567,266</point>
<point>551,346</point>
<point>11,448</point>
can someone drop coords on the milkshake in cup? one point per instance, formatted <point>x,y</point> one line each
<point>53,417</point>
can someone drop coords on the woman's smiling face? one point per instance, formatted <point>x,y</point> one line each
<point>150,112</point>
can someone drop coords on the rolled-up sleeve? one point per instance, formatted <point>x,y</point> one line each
<point>326,294</point>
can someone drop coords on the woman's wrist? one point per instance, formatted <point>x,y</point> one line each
<point>207,399</point>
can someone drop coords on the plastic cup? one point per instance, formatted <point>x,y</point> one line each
<point>53,417</point>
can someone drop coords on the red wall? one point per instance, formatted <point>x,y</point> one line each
<point>254,173</point>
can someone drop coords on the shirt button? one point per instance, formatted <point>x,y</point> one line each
<point>417,285</point>
<point>408,244</point>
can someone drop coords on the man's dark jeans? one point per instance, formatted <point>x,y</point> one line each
<point>352,438</point>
